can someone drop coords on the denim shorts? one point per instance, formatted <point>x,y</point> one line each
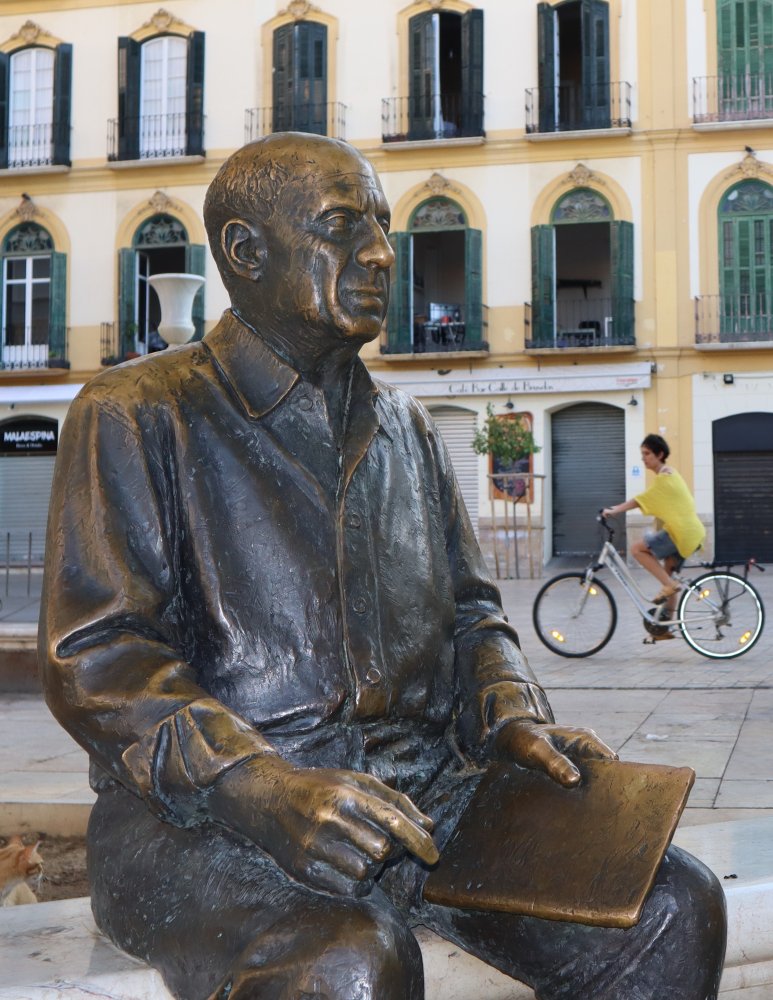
<point>661,545</point>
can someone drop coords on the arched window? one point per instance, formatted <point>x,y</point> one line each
<point>445,79</point>
<point>582,276</point>
<point>160,98</point>
<point>299,97</point>
<point>745,59</point>
<point>34,300</point>
<point>160,246</point>
<point>436,298</point>
<point>35,85</point>
<point>746,268</point>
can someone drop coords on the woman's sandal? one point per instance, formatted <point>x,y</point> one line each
<point>665,592</point>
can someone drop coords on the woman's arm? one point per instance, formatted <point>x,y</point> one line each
<point>619,508</point>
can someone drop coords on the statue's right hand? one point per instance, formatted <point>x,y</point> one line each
<point>330,829</point>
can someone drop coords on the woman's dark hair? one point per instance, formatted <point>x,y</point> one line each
<point>657,445</point>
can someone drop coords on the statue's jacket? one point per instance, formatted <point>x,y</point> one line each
<point>219,577</point>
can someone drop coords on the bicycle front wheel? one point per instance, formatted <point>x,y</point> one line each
<point>574,616</point>
<point>721,615</point>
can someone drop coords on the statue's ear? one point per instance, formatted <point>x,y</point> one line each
<point>244,248</point>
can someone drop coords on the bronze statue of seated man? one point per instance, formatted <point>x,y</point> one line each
<point>267,620</point>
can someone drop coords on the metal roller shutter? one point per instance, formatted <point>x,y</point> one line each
<point>25,490</point>
<point>588,442</point>
<point>743,487</point>
<point>457,428</point>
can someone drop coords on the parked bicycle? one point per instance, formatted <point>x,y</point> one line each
<point>719,613</point>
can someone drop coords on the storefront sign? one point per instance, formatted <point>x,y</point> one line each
<point>29,435</point>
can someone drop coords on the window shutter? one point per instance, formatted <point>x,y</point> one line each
<point>283,78</point>
<point>400,315</point>
<point>195,263</point>
<point>621,249</point>
<point>310,78</point>
<point>62,104</point>
<point>195,95</point>
<point>4,96</point>
<point>57,317</point>
<point>424,88</point>
<point>546,35</point>
<point>473,289</point>
<point>128,99</point>
<point>543,286</point>
<point>472,73</point>
<point>127,295</point>
<point>595,64</point>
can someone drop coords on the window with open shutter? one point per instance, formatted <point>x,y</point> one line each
<point>300,78</point>
<point>621,259</point>
<point>472,73</point>
<point>543,286</point>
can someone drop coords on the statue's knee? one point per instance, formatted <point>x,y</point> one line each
<point>698,898</point>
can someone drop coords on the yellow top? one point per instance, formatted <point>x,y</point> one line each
<point>671,502</point>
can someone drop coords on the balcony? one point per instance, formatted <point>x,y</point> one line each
<point>37,348</point>
<point>578,324</point>
<point>438,336</point>
<point>316,119</point>
<point>155,137</point>
<point>734,321</point>
<point>572,108</point>
<point>735,98</point>
<point>35,145</point>
<point>430,117</point>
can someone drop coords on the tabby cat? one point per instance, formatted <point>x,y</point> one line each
<point>18,862</point>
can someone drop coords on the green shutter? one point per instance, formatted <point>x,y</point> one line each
<point>309,86</point>
<point>195,95</point>
<point>195,263</point>
<point>62,104</point>
<point>543,286</point>
<point>128,99</point>
<point>4,87</point>
<point>283,78</point>
<point>424,88</point>
<point>472,73</point>
<point>400,314</point>
<point>595,64</point>
<point>127,301</point>
<point>57,318</point>
<point>473,289</point>
<point>621,251</point>
<point>546,34</point>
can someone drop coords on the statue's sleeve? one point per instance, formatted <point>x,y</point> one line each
<point>495,684</point>
<point>112,645</point>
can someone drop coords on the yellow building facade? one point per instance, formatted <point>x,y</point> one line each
<point>582,199</point>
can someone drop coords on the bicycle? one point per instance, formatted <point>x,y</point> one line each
<point>719,613</point>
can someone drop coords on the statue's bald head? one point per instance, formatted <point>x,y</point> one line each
<point>259,180</point>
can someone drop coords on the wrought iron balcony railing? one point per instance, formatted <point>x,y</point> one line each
<point>33,145</point>
<point>432,116</point>
<point>732,98</point>
<point>42,346</point>
<point>155,137</point>
<point>579,323</point>
<point>464,334</point>
<point>569,107</point>
<point>315,118</point>
<point>734,319</point>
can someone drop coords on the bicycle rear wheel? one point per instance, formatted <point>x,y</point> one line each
<point>721,615</point>
<point>573,616</point>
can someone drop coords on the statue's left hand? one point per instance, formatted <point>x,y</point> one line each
<point>550,748</point>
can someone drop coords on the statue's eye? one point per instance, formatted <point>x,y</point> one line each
<point>339,222</point>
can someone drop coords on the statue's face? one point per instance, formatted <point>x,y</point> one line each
<point>329,257</point>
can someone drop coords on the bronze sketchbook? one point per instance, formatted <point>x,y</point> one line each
<point>588,854</point>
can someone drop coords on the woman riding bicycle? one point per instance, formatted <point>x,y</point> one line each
<point>670,501</point>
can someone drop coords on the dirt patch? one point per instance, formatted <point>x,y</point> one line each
<point>64,868</point>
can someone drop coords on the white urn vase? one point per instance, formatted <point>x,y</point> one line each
<point>176,293</point>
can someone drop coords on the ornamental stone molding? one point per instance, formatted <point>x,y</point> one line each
<point>29,33</point>
<point>162,21</point>
<point>161,202</point>
<point>26,209</point>
<point>298,10</point>
<point>750,167</point>
<point>438,184</point>
<point>582,176</point>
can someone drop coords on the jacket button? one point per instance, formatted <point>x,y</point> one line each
<point>353,521</point>
<point>373,676</point>
<point>305,403</point>
<point>360,605</point>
